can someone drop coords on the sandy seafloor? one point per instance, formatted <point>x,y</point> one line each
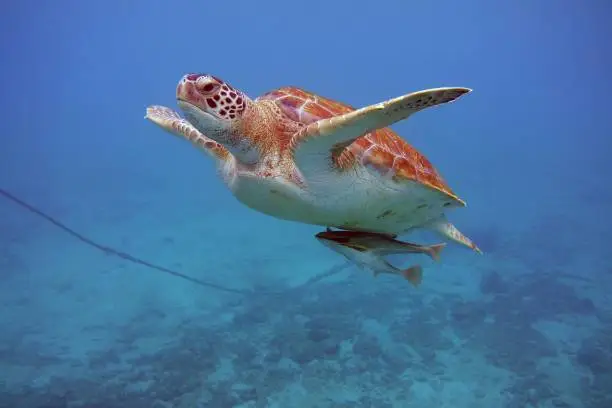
<point>529,324</point>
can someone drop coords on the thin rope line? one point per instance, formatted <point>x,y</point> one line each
<point>112,251</point>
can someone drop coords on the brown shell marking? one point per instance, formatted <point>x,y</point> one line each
<point>382,150</point>
<point>387,153</point>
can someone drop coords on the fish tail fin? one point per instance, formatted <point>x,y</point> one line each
<point>434,251</point>
<point>414,275</point>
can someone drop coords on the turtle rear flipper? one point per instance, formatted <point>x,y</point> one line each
<point>171,122</point>
<point>448,230</point>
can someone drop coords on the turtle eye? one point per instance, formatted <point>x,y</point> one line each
<point>206,86</point>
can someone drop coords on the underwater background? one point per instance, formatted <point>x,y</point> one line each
<point>527,324</point>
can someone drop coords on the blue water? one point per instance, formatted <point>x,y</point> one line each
<point>528,324</point>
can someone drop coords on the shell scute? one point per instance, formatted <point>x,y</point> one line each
<point>305,107</point>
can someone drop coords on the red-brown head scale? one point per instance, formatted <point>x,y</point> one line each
<point>215,108</point>
<point>212,95</point>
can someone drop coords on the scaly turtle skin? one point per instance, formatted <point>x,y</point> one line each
<point>298,156</point>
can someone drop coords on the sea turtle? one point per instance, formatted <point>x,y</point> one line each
<point>298,156</point>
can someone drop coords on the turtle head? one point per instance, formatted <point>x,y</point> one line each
<point>216,109</point>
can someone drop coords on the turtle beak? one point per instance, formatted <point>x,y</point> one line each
<point>182,89</point>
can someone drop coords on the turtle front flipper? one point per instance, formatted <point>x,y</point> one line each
<point>171,122</point>
<point>448,230</point>
<point>315,145</point>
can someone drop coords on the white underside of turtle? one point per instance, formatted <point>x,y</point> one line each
<point>361,200</point>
